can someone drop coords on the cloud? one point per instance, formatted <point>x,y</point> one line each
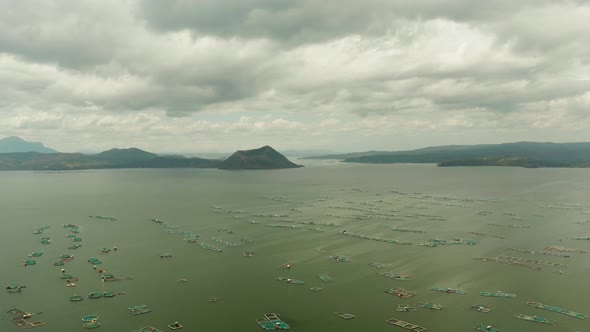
<point>375,67</point>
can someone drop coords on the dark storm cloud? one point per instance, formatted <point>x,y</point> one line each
<point>303,21</point>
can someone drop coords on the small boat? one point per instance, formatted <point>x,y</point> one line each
<point>487,328</point>
<point>535,319</point>
<point>325,277</point>
<point>213,300</point>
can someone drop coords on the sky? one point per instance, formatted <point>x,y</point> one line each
<point>337,75</point>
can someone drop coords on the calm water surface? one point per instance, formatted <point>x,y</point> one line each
<point>300,216</point>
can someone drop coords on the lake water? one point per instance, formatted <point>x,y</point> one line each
<point>300,216</point>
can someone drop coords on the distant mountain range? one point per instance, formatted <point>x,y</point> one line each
<point>17,144</point>
<point>262,158</point>
<point>17,154</point>
<point>525,154</point>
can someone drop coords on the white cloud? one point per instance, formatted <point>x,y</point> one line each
<point>301,72</point>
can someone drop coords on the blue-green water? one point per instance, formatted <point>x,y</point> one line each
<point>320,202</point>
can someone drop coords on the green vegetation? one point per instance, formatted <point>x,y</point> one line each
<point>519,162</point>
<point>262,158</point>
<point>524,154</point>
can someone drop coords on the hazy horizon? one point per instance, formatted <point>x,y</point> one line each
<point>218,76</point>
<point>288,152</point>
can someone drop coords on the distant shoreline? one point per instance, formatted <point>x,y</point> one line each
<point>263,158</point>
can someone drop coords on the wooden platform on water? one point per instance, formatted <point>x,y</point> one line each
<point>401,293</point>
<point>428,305</point>
<point>139,309</point>
<point>406,325</point>
<point>148,329</point>
<point>22,319</point>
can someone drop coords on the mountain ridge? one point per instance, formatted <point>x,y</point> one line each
<point>540,154</point>
<point>16,144</point>
<point>261,158</point>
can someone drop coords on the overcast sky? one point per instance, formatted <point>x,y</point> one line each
<point>341,75</point>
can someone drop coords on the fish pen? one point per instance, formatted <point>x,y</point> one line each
<point>497,294</point>
<point>344,315</point>
<point>535,319</point>
<point>449,290</point>
<point>22,319</point>
<point>428,305</point>
<point>480,308</point>
<point>290,281</point>
<point>401,293</point>
<point>139,309</point>
<point>405,308</point>
<point>406,325</point>
<point>556,309</point>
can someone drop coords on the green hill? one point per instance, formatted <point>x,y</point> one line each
<point>124,156</point>
<point>509,161</point>
<point>261,158</point>
<point>178,162</point>
<point>566,154</point>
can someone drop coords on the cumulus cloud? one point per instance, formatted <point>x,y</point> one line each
<point>156,72</point>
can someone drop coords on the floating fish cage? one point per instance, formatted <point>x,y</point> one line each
<point>344,315</point>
